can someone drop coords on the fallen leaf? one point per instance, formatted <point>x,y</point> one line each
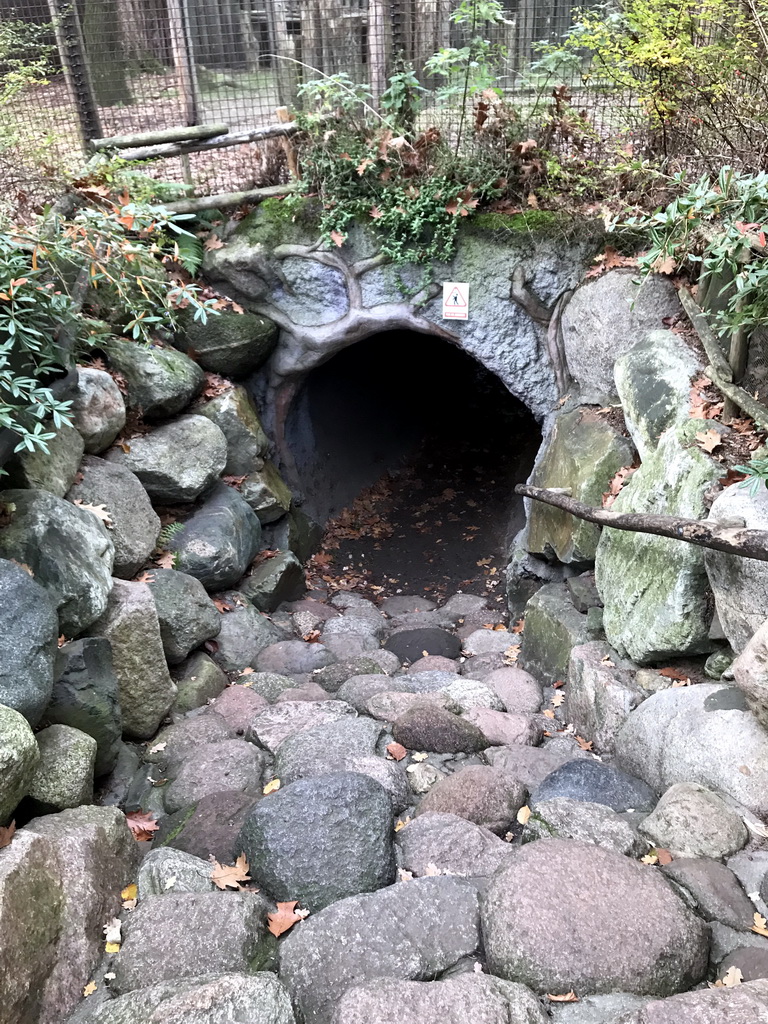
<point>663,856</point>
<point>89,989</point>
<point>617,482</point>
<point>709,440</point>
<point>157,748</point>
<point>99,511</point>
<point>337,238</point>
<point>271,787</point>
<point>557,700</point>
<point>169,883</point>
<point>396,751</point>
<point>730,979</point>
<point>400,824</point>
<point>532,201</point>
<point>214,242</point>
<point>649,858</point>
<point>607,661</point>
<point>166,560</point>
<point>230,876</point>
<point>113,931</point>
<point>523,815</point>
<point>146,577</point>
<point>141,825</point>
<point>130,892</point>
<point>404,876</point>
<point>6,834</point>
<point>519,626</point>
<point>284,918</point>
<point>672,673</point>
<point>757,827</point>
<point>664,265</point>
<point>419,756</point>
<point>760,925</point>
<point>583,744</point>
<point>363,166</point>
<point>568,997</point>
<point>222,605</point>
<point>549,713</point>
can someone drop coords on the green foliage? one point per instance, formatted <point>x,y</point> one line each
<point>718,230</point>
<point>66,283</point>
<point>168,532</point>
<point>757,474</point>
<point>25,58</point>
<point>401,101</point>
<point>698,67</point>
<point>471,69</point>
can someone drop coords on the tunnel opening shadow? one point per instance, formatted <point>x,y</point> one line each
<point>408,450</point>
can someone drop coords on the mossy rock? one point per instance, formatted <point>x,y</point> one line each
<point>232,344</point>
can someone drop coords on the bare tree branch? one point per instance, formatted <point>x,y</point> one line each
<point>730,536</point>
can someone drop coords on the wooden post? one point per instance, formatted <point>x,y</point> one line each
<point>284,117</point>
<point>69,39</point>
<point>178,17</point>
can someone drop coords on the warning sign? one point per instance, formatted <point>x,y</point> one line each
<point>455,301</point>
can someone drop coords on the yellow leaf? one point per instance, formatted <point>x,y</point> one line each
<point>523,815</point>
<point>549,713</point>
<point>558,699</point>
<point>419,756</point>
<point>271,787</point>
<point>130,892</point>
<point>400,824</point>
<point>89,989</point>
<point>112,947</point>
<point>649,858</point>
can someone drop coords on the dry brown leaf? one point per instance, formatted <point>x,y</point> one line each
<point>396,751</point>
<point>519,626</point>
<point>532,201</point>
<point>583,744</point>
<point>618,481</point>
<point>549,713</point>
<point>230,876</point>
<point>166,560</point>
<point>759,925</point>
<point>663,856</point>
<point>557,700</point>
<point>337,238</point>
<point>567,997</point>
<point>284,918</point>
<point>222,605</point>
<point>141,825</point>
<point>664,265</point>
<point>214,242</point>
<point>6,834</point>
<point>146,577</point>
<point>273,786</point>
<point>709,440</point>
<point>99,511</point>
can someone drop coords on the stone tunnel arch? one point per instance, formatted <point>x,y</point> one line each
<point>420,416</point>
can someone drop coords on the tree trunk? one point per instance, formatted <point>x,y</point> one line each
<point>106,56</point>
<point>379,47</point>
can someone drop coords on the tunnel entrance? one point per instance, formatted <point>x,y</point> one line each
<point>408,450</point>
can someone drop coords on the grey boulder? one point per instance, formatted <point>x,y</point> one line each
<point>219,540</point>
<point>186,614</point>
<point>446,844</point>
<point>161,381</point>
<point>68,549</point>
<point>53,470</point>
<point>28,632</point>
<point>131,625</point>
<point>561,818</point>
<point>235,415</point>
<point>321,839</point>
<point>278,579</point>
<point>243,634</point>
<point>86,697</point>
<point>596,782</point>
<point>276,724</point>
<point>64,774</point>
<point>485,796</point>
<point>134,523</point>
<point>214,767</point>
<point>740,1004</point>
<point>691,821</point>
<point>98,409</point>
<point>167,870</point>
<point>412,931</point>
<point>19,755</point>
<point>177,462</point>
<point>597,892</point>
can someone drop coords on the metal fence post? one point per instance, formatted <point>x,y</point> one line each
<point>69,39</point>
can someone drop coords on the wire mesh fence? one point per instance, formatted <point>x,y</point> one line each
<point>113,67</point>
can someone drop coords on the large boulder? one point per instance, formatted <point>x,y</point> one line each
<point>172,939</point>
<point>322,839</point>
<point>594,782</point>
<point>53,470</point>
<point>134,523</point>
<point>553,627</point>
<point>161,381</point>
<point>446,844</point>
<point>691,821</point>
<point>244,633</point>
<point>235,415</point>
<point>86,696</point>
<point>277,579</point>
<point>31,910</point>
<point>220,999</point>
<point>583,453</point>
<point>233,344</point>
<point>273,726</point>
<point>177,462</point>
<point>413,931</point>
<point>167,870</point>
<point>131,625</point>
<point>655,592</point>
<point>653,383</point>
<point>703,734</point>
<point>28,631</point>
<point>714,890</point>
<point>740,585</point>
<point>738,1004</point>
<point>19,755</point>
<point>429,727</point>
<point>485,796</point>
<point>208,828</point>
<point>562,818</point>
<point>605,317</point>
<point>213,767</point>
<point>598,891</point>
<point>186,614</point>
<point>68,550</point>
<point>267,493</point>
<point>601,693</point>
<point>98,409</point>
<point>96,856</point>
<point>470,997</point>
<point>64,774</point>
<point>750,673</point>
<point>219,541</point>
